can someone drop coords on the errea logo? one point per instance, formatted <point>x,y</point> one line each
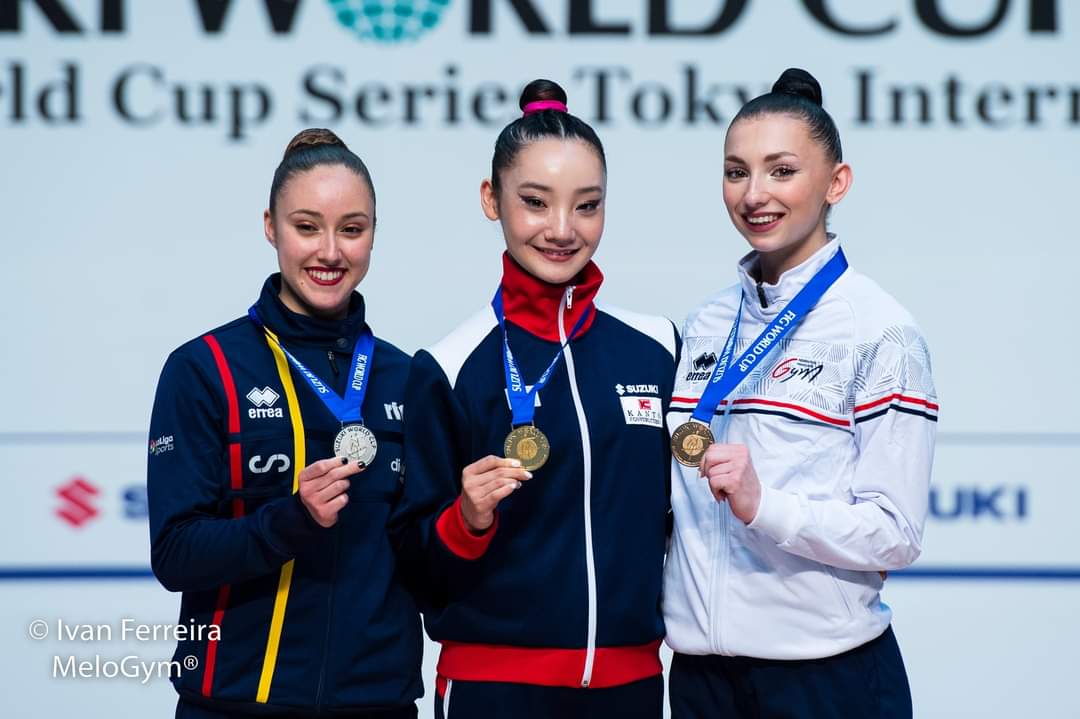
<point>264,400</point>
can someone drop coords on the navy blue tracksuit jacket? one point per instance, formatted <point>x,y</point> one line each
<point>564,590</point>
<point>310,618</point>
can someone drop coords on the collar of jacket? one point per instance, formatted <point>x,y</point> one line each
<point>778,295</point>
<point>293,328</point>
<point>533,304</point>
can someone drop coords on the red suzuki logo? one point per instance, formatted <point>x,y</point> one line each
<point>77,509</point>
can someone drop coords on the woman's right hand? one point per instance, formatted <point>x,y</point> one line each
<point>324,486</point>
<point>484,484</point>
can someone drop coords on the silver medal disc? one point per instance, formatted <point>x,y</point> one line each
<point>356,442</point>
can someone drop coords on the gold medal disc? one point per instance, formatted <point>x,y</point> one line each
<point>689,442</point>
<point>528,445</point>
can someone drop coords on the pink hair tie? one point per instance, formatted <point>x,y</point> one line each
<point>540,105</point>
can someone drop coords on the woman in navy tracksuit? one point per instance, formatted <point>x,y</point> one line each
<point>542,583</point>
<point>273,530</point>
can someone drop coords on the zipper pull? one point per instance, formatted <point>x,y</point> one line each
<point>761,296</point>
<point>333,362</point>
<point>570,297</point>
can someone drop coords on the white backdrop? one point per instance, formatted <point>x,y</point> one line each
<point>132,222</point>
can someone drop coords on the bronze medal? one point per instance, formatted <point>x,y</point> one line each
<point>356,442</point>
<point>689,442</point>
<point>528,445</point>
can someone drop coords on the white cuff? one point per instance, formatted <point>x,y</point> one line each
<point>777,515</point>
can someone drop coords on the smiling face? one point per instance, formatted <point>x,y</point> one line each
<point>322,228</point>
<point>551,207</point>
<point>778,184</point>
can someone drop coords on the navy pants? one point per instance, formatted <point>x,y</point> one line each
<point>190,710</point>
<point>642,699</point>
<point>868,682</point>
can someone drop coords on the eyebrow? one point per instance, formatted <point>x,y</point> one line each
<point>544,188</point>
<point>313,213</point>
<point>768,158</point>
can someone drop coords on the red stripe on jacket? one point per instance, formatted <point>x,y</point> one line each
<point>236,481</point>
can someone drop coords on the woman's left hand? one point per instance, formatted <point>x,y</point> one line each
<point>732,479</point>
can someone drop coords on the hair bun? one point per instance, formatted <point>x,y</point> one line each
<point>312,137</point>
<point>540,91</point>
<point>796,81</point>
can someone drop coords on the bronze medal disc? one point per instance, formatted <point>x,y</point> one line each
<point>689,442</point>
<point>356,442</point>
<point>528,445</point>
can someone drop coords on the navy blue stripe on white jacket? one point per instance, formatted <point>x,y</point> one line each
<point>564,589</point>
<point>310,618</point>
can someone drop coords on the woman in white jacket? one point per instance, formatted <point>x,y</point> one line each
<point>804,420</point>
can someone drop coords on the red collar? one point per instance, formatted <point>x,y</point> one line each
<point>533,304</point>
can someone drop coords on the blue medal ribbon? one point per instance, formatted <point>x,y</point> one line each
<point>346,409</point>
<point>522,401</point>
<point>728,375</point>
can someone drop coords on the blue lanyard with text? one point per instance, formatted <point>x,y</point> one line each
<point>522,402</point>
<point>727,376</point>
<point>347,408</point>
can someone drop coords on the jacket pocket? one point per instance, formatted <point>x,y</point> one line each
<point>839,590</point>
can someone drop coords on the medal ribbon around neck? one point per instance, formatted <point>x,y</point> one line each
<point>728,375</point>
<point>354,441</point>
<point>522,401</point>
<point>346,409</point>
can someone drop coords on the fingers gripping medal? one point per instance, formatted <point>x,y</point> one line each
<point>529,446</point>
<point>690,439</point>
<point>354,441</point>
<point>526,443</point>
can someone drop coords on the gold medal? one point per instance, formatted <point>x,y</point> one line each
<point>528,445</point>
<point>356,442</point>
<point>689,442</point>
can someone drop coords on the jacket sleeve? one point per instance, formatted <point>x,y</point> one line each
<point>195,541</point>
<point>895,417</point>
<point>435,548</point>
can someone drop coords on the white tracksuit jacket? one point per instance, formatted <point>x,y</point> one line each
<point>840,421</point>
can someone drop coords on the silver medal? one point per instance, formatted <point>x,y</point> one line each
<point>356,442</point>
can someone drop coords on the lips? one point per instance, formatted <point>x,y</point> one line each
<point>555,254</point>
<point>325,276</point>
<point>762,221</point>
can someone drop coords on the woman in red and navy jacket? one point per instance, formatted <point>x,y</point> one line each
<point>275,459</point>
<point>542,578</point>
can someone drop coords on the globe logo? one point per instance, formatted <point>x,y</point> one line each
<point>389,21</point>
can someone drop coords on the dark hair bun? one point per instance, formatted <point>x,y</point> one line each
<point>538,90</point>
<point>795,81</point>
<point>312,137</point>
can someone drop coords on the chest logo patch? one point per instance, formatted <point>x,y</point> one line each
<point>264,400</point>
<point>642,410</point>
<point>796,369</point>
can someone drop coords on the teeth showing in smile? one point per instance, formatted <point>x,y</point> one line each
<point>326,275</point>
<point>558,253</point>
<point>762,219</point>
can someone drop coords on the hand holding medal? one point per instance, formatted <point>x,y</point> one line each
<point>324,487</point>
<point>484,484</point>
<point>732,479</point>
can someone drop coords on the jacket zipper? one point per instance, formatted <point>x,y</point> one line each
<point>333,362</point>
<point>761,297</point>
<point>590,562</point>
<point>329,618</point>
